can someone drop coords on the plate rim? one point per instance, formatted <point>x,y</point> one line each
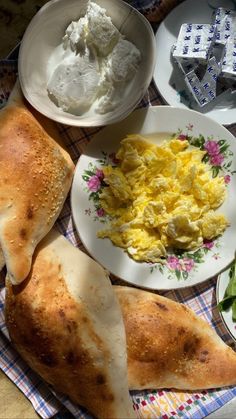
<point>219,278</point>
<point>73,206</point>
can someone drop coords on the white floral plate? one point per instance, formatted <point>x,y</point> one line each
<point>168,78</point>
<point>222,282</point>
<point>182,270</point>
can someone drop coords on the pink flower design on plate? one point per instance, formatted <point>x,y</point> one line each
<point>188,264</point>
<point>182,137</point>
<point>212,147</point>
<point>94,183</point>
<point>189,127</point>
<point>217,159</point>
<point>174,263</point>
<point>227,179</point>
<point>99,173</point>
<point>208,245</point>
<point>100,212</point>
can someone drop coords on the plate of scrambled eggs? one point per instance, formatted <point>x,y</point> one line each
<point>152,198</point>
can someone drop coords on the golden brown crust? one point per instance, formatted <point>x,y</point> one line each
<point>62,338</point>
<point>169,346</point>
<point>35,177</point>
<point>49,339</point>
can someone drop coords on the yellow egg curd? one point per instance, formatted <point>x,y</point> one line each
<point>161,197</point>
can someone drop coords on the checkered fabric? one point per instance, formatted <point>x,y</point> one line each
<point>164,404</point>
<point>154,10</point>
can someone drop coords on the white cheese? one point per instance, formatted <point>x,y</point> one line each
<point>96,65</point>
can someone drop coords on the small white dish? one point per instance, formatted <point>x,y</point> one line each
<point>167,76</point>
<point>222,283</point>
<point>207,261</point>
<point>43,36</point>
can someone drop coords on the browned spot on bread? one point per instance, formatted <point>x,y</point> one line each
<point>161,306</point>
<point>48,359</point>
<point>61,313</point>
<point>71,358</point>
<point>190,346</point>
<point>181,331</point>
<point>29,213</point>
<point>203,357</point>
<point>23,233</point>
<point>71,325</point>
<point>100,379</point>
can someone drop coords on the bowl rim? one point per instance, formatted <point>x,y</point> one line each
<point>65,117</point>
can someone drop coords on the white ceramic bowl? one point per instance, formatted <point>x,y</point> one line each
<point>45,33</point>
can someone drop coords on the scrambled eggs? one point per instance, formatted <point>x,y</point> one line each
<point>161,197</point>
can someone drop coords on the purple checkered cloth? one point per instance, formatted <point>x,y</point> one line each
<point>165,404</point>
<point>154,10</point>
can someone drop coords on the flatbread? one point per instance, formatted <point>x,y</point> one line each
<point>169,346</point>
<point>35,178</point>
<point>66,322</point>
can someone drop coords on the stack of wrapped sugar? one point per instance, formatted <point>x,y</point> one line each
<point>195,42</point>
<point>211,47</point>
<point>225,23</point>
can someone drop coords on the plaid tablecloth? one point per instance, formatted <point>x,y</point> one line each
<point>164,404</point>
